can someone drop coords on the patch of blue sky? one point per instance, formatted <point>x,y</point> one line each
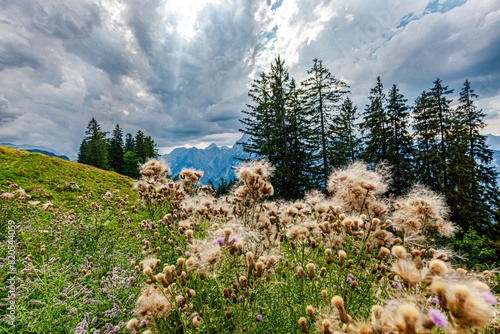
<point>268,35</point>
<point>276,5</point>
<point>443,6</point>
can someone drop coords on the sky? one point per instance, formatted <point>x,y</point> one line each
<point>180,70</point>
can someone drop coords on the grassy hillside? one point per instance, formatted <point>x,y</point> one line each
<point>49,178</point>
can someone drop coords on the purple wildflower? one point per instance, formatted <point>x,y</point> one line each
<point>143,323</point>
<point>435,301</point>
<point>489,298</point>
<point>397,286</point>
<point>349,280</point>
<point>259,317</point>
<point>438,318</point>
<point>187,254</point>
<point>175,216</point>
<point>219,240</point>
<point>240,297</point>
<point>129,220</point>
<point>180,309</point>
<point>350,275</point>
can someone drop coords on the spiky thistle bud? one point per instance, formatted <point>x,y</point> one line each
<point>180,263</point>
<point>303,325</point>
<point>310,313</point>
<point>310,267</point>
<point>383,253</point>
<point>324,294</point>
<point>259,266</point>
<point>338,302</point>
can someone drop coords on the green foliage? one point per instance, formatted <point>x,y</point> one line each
<point>321,101</point>
<point>131,164</point>
<point>94,150</point>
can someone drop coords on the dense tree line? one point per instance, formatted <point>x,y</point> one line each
<point>306,130</point>
<point>113,153</point>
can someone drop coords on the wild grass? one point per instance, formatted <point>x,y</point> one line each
<point>169,257</point>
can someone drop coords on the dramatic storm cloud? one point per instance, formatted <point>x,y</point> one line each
<point>180,70</point>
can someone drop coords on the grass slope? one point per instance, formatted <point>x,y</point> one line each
<point>49,178</point>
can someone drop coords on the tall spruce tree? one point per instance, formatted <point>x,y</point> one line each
<point>344,138</point>
<point>129,143</point>
<point>426,147</point>
<point>271,123</point>
<point>94,148</point>
<point>399,142</point>
<point>116,150</point>
<point>322,95</point>
<point>375,126</point>
<point>440,124</point>
<point>472,190</point>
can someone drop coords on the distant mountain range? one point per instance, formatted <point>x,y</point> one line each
<point>215,162</point>
<point>35,149</point>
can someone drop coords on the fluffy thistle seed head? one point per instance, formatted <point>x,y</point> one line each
<point>399,251</point>
<point>438,268</point>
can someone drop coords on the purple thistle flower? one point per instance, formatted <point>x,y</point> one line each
<point>320,232</point>
<point>187,254</point>
<point>143,323</point>
<point>180,309</point>
<point>438,318</point>
<point>175,216</point>
<point>350,275</point>
<point>129,220</point>
<point>219,240</point>
<point>489,298</point>
<point>240,297</point>
<point>349,280</point>
<point>397,286</point>
<point>435,301</point>
<point>335,287</point>
<point>259,317</point>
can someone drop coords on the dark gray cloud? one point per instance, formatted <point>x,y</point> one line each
<point>6,115</point>
<point>180,70</point>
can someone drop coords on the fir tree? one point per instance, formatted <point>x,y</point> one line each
<point>140,145</point>
<point>95,149</point>
<point>129,143</point>
<point>116,150</point>
<point>440,123</point>
<point>322,95</point>
<point>399,143</point>
<point>345,144</point>
<point>472,190</point>
<point>425,140</point>
<point>375,126</point>
<point>272,124</point>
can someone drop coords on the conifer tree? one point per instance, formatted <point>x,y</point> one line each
<point>345,143</point>
<point>440,124</point>
<point>272,124</point>
<point>472,190</point>
<point>425,140</point>
<point>116,150</point>
<point>399,143</point>
<point>140,145</point>
<point>322,95</point>
<point>375,126</point>
<point>129,143</point>
<point>95,148</point>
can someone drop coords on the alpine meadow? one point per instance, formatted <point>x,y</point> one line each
<point>267,166</point>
